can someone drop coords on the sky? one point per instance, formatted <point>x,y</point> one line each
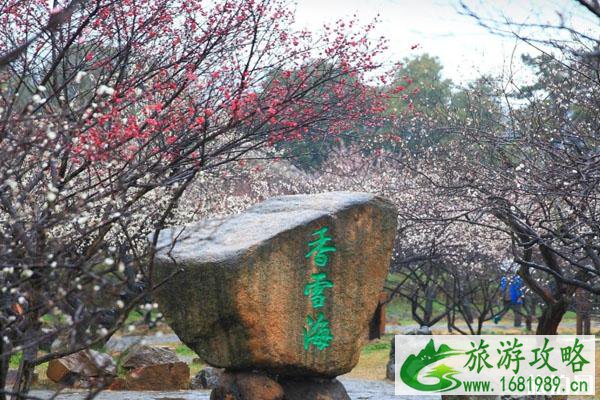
<point>465,48</point>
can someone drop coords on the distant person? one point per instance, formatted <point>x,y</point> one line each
<point>512,298</point>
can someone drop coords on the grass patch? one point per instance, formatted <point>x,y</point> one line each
<point>15,360</point>
<point>40,370</point>
<point>196,367</point>
<point>377,346</point>
<point>183,350</point>
<point>570,316</point>
<point>43,380</point>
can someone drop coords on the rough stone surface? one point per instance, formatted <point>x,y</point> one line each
<point>313,389</point>
<point>239,301</point>
<point>170,376</point>
<point>118,384</point>
<point>247,386</point>
<point>145,356</point>
<point>207,378</point>
<point>82,365</point>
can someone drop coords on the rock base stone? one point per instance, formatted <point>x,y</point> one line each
<point>247,386</point>
<point>314,389</point>
<point>262,386</point>
<point>208,378</point>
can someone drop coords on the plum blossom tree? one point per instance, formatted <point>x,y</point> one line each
<point>110,111</point>
<point>530,173</point>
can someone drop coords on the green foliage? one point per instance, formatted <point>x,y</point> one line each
<point>478,105</point>
<point>310,153</point>
<point>420,102</point>
<point>429,105</point>
<point>422,77</point>
<point>547,69</point>
<point>15,360</point>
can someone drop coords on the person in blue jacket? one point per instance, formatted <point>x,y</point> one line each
<point>512,297</point>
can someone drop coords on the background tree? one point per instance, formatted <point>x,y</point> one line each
<point>533,175</point>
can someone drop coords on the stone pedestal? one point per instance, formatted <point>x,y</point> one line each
<point>263,386</point>
<point>247,386</point>
<point>314,389</point>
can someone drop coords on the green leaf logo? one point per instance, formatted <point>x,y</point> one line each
<point>413,365</point>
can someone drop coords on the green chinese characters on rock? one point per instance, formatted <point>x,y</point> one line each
<point>316,289</point>
<point>317,331</point>
<point>320,248</point>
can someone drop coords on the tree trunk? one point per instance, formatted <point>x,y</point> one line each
<point>517,315</point>
<point>551,316</point>
<point>30,349</point>
<point>467,311</point>
<point>587,326</point>
<point>4,365</point>
<point>583,324</point>
<point>529,311</point>
<point>24,379</point>
<point>583,307</point>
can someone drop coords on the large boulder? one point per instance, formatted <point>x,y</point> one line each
<point>238,294</point>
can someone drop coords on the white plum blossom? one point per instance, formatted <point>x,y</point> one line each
<point>105,90</point>
<point>79,76</point>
